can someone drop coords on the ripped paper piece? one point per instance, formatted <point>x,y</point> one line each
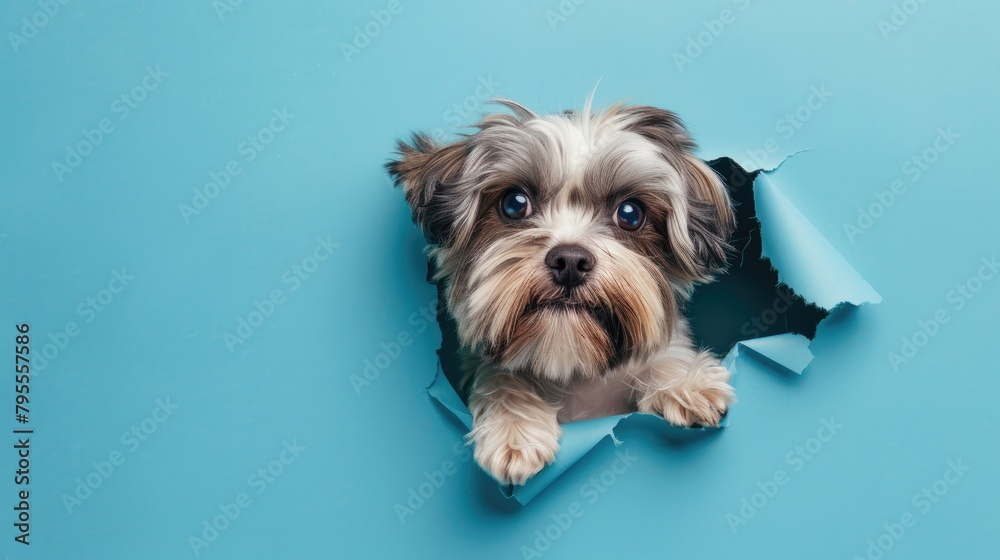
<point>783,259</point>
<point>782,352</point>
<point>804,258</point>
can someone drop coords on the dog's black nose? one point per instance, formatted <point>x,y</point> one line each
<point>570,264</point>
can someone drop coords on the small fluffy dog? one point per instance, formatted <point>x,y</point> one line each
<point>568,245</point>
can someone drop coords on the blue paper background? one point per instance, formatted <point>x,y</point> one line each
<point>162,337</point>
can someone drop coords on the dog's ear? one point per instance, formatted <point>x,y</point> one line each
<point>424,170</point>
<point>710,219</point>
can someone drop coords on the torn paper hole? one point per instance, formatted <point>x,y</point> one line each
<point>783,280</point>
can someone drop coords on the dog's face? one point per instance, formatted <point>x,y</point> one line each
<point>567,242</point>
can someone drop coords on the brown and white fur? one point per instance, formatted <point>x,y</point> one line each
<point>545,350</point>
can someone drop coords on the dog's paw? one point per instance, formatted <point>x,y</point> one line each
<point>514,449</point>
<point>702,397</point>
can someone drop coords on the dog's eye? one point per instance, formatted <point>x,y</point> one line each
<point>629,215</point>
<point>515,205</point>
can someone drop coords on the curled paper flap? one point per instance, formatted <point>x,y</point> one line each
<point>783,352</point>
<point>445,394</point>
<point>804,259</point>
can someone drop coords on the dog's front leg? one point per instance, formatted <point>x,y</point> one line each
<point>684,386</point>
<point>514,429</point>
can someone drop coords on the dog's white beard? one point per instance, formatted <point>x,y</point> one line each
<point>560,344</point>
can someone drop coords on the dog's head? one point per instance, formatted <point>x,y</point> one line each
<point>567,242</point>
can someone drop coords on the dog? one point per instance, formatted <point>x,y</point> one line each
<point>568,245</point>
